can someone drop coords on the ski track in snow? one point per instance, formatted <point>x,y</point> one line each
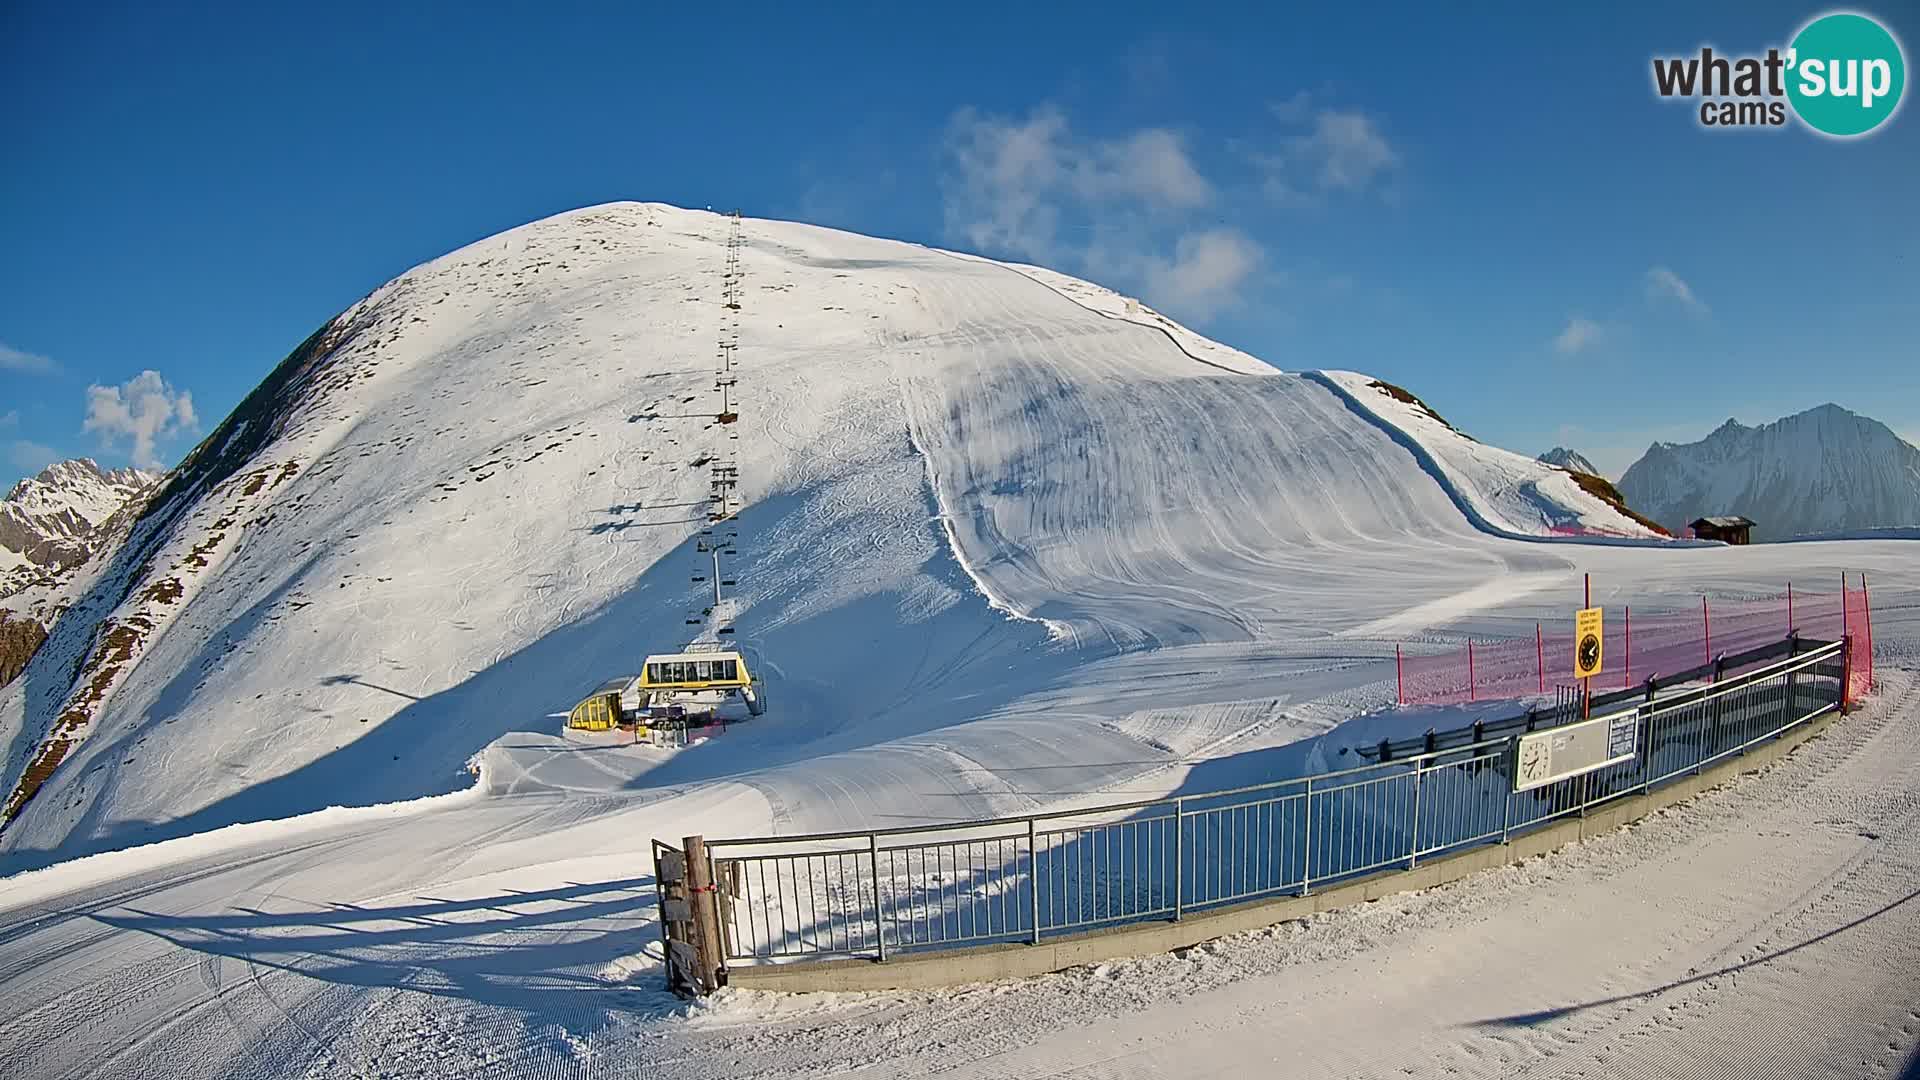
<point>1011,543</point>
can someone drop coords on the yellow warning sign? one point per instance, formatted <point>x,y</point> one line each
<point>1588,643</point>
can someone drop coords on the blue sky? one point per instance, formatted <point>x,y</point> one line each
<point>1497,214</point>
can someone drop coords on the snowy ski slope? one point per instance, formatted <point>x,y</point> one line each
<point>1010,541</point>
<point>478,500</point>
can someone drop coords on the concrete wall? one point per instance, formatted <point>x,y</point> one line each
<point>986,963</point>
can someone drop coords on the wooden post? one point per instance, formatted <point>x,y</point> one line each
<point>706,914</point>
<point>676,920</point>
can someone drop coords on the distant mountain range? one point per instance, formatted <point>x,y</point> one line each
<point>1825,470</point>
<point>50,525</point>
<point>51,522</point>
<point>1569,459</point>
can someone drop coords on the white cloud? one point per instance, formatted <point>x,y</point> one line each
<point>30,457</point>
<point>1344,151</point>
<point>1122,207</point>
<point>1009,183</point>
<point>9,420</point>
<point>1205,273</point>
<point>26,363</point>
<point>1004,180</point>
<point>1151,166</point>
<point>1664,284</point>
<point>143,410</point>
<point>1580,333</point>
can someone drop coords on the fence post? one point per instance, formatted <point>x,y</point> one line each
<point>1646,745</point>
<point>879,920</point>
<point>1179,847</point>
<point>1306,840</point>
<point>1033,874</point>
<point>1413,845</point>
<point>1506,789</point>
<point>1846,669</point>
<point>706,920</point>
<point>1846,635</point>
<point>1793,703</point>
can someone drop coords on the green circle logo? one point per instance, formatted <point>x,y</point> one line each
<point>1845,74</point>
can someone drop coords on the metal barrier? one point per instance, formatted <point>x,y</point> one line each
<point>880,893</point>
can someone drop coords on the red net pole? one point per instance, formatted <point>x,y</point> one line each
<point>1790,623</point>
<point>1470,696</point>
<point>1706,626</point>
<point>1629,677</point>
<point>1866,612</point>
<point>1540,655</point>
<point>1399,677</point>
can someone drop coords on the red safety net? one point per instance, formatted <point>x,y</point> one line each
<point>1638,643</point>
<point>1859,619</point>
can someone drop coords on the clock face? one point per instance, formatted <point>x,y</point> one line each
<point>1589,652</point>
<point>1534,761</point>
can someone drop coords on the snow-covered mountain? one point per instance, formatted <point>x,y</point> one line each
<point>1825,470</point>
<point>50,526</point>
<point>52,521</point>
<point>1569,459</point>
<point>476,493</point>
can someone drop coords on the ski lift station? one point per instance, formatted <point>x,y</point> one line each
<point>686,688</point>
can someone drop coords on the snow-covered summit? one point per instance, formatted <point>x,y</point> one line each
<point>475,494</point>
<point>1826,470</point>
<point>52,522</point>
<point>1569,459</point>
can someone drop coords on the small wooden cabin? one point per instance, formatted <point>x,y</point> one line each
<point>1727,530</point>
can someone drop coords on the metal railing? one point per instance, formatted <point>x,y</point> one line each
<point>884,892</point>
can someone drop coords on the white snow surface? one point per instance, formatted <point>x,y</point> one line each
<point>1010,541</point>
<point>1510,493</point>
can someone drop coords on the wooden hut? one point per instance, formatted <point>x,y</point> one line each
<point>1727,530</point>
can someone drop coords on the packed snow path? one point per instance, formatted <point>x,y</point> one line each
<point>1772,923</point>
